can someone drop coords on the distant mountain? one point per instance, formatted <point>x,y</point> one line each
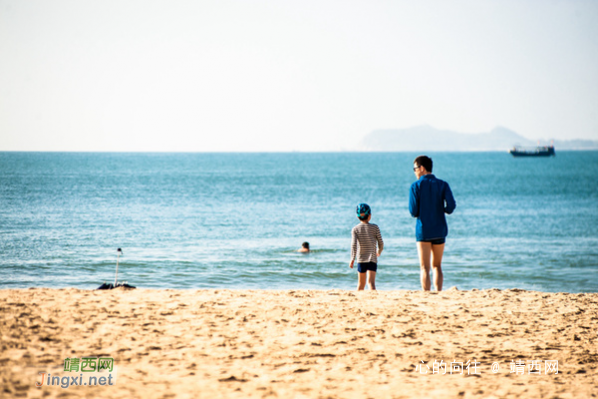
<point>576,144</point>
<point>428,138</point>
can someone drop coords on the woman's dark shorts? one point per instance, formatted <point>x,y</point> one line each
<point>364,267</point>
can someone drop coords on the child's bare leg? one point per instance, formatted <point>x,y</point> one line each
<point>372,280</point>
<point>361,281</point>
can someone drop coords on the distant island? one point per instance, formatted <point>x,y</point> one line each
<point>428,138</point>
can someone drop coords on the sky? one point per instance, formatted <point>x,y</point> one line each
<point>283,75</point>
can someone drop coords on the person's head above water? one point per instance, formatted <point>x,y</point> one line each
<point>304,247</point>
<point>363,211</point>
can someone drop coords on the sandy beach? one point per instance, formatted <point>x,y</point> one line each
<point>301,344</point>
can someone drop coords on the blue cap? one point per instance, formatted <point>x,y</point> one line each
<point>363,209</point>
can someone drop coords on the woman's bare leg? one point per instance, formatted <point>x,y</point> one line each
<point>372,280</point>
<point>361,281</point>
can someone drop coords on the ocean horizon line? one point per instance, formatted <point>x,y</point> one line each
<point>277,152</point>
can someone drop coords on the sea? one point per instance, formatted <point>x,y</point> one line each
<point>236,220</point>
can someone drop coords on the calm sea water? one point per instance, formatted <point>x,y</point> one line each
<point>235,220</point>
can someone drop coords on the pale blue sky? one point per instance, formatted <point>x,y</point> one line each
<point>290,75</point>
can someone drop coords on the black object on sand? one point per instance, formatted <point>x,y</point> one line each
<point>110,286</point>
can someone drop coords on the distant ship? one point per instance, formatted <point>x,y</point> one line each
<point>545,151</point>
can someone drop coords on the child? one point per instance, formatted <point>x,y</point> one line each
<point>366,235</point>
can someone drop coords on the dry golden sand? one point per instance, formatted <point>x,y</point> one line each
<point>300,344</point>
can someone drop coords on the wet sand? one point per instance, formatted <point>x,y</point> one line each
<point>302,343</point>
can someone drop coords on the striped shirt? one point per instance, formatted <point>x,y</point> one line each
<point>364,237</point>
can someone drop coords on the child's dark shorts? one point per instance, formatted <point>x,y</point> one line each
<point>364,267</point>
